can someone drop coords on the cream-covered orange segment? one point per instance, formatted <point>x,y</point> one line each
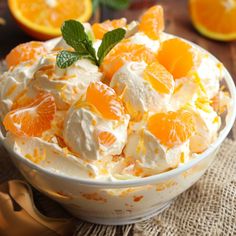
<point>176,56</point>
<point>105,100</point>
<point>106,138</point>
<point>32,120</point>
<point>25,52</point>
<point>160,79</point>
<point>172,128</point>
<point>125,52</point>
<point>152,22</point>
<point>99,29</point>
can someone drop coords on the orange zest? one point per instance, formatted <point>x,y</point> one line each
<point>105,100</point>
<point>176,56</point>
<point>42,19</point>
<point>99,29</point>
<point>214,18</point>
<point>106,138</point>
<point>32,120</point>
<point>172,128</point>
<point>152,22</point>
<point>124,52</point>
<point>25,52</point>
<point>161,80</point>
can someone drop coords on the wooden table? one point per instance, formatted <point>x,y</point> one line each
<point>177,22</point>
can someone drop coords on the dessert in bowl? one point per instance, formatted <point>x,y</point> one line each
<point>115,123</point>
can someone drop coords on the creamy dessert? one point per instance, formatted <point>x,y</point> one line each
<point>151,103</point>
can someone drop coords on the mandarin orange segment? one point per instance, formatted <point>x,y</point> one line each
<point>176,56</point>
<point>106,138</point>
<point>214,18</point>
<point>99,29</point>
<point>105,100</point>
<point>32,120</point>
<point>160,79</point>
<point>172,128</point>
<point>124,52</point>
<point>152,22</point>
<point>25,52</point>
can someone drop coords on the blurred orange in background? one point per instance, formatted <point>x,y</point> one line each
<point>42,19</point>
<point>215,19</point>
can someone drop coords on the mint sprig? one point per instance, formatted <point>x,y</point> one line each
<point>74,34</point>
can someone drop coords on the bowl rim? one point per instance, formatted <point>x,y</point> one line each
<point>153,178</point>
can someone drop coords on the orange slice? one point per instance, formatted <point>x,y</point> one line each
<point>99,29</point>
<point>105,100</point>
<point>172,128</point>
<point>152,22</point>
<point>176,56</point>
<point>161,80</point>
<point>25,52</point>
<point>32,120</point>
<point>42,19</point>
<point>123,52</point>
<point>214,18</point>
<point>106,138</point>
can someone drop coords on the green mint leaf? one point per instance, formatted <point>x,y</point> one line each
<point>73,33</point>
<point>109,41</point>
<point>66,58</point>
<point>116,4</point>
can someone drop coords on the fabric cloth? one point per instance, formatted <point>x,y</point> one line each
<point>207,208</point>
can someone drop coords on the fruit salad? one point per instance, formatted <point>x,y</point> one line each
<point>118,101</point>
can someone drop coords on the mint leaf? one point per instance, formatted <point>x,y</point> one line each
<point>116,4</point>
<point>67,58</point>
<point>110,39</point>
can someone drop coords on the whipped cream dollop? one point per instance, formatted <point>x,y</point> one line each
<point>138,95</point>
<point>82,129</point>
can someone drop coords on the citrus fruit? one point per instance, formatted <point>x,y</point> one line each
<point>160,79</point>
<point>172,128</point>
<point>214,18</point>
<point>176,56</point>
<point>105,100</point>
<point>33,119</point>
<point>99,29</point>
<point>152,22</point>
<point>42,19</point>
<point>25,52</point>
<point>123,52</point>
<point>106,138</point>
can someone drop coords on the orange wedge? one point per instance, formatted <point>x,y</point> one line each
<point>172,128</point>
<point>33,119</point>
<point>42,19</point>
<point>106,138</point>
<point>215,19</point>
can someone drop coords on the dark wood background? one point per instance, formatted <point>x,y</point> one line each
<point>177,22</point>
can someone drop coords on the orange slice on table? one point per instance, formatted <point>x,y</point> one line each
<point>160,79</point>
<point>25,52</point>
<point>32,120</point>
<point>172,128</point>
<point>123,52</point>
<point>99,29</point>
<point>215,19</point>
<point>176,56</point>
<point>42,19</point>
<point>152,22</point>
<point>105,100</point>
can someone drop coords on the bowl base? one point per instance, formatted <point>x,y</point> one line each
<point>126,219</point>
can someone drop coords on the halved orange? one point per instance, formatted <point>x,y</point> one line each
<point>105,100</point>
<point>172,128</point>
<point>42,19</point>
<point>33,119</point>
<point>25,52</point>
<point>215,19</point>
<point>99,29</point>
<point>176,56</point>
<point>152,22</point>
